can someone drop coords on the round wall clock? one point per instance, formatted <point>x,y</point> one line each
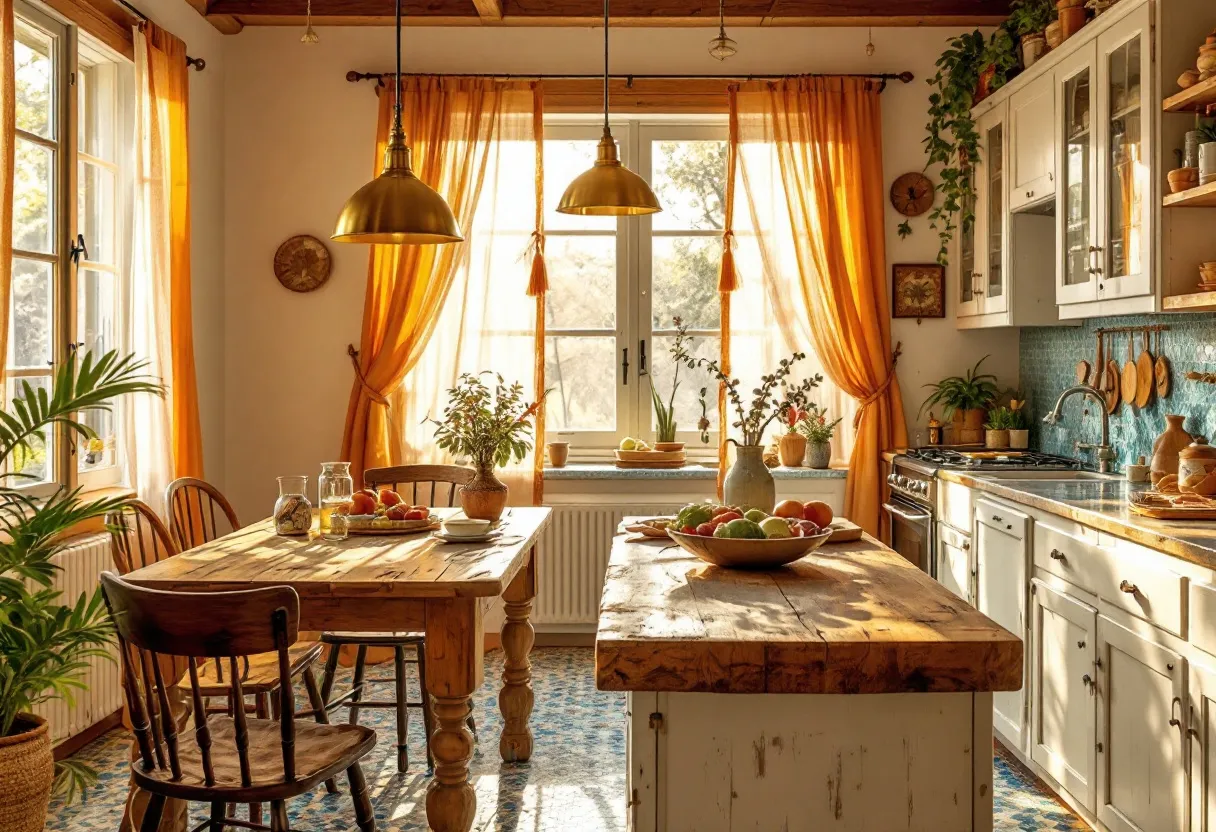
<point>302,263</point>
<point>912,194</point>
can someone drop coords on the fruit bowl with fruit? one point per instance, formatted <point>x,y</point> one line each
<point>386,512</point>
<point>752,539</point>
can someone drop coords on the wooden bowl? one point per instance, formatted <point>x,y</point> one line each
<point>1183,179</point>
<point>749,554</point>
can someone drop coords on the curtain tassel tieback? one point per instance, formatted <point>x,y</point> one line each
<point>371,392</point>
<point>882,388</point>
<point>538,279</point>
<point>728,276</point>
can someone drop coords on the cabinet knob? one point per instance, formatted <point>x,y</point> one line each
<point>1081,644</point>
<point>996,519</point>
<point>1099,747</point>
<point>1029,194</point>
<point>1128,587</point>
<point>1056,554</point>
<point>1051,177</point>
<point>966,547</point>
<point>1087,680</point>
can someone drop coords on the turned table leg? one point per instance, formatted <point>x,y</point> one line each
<point>454,657</point>
<point>515,699</point>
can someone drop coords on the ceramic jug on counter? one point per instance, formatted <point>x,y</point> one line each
<point>749,483</point>
<point>1166,448</point>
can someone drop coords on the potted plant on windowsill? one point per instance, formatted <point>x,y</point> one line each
<point>964,400</point>
<point>490,429</point>
<point>996,428</point>
<point>45,644</point>
<point>818,432</point>
<point>791,447</point>
<point>665,412</point>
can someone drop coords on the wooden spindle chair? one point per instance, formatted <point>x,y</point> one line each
<point>193,519</point>
<point>233,759</point>
<point>432,479</point>
<point>138,538</point>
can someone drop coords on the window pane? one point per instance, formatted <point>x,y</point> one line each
<point>685,281</point>
<point>581,372</point>
<point>688,394</point>
<point>33,184</point>
<point>33,462</point>
<point>34,74</point>
<point>582,282</point>
<point>32,325</point>
<point>96,311</point>
<point>96,209</point>
<point>564,160</point>
<point>690,182</point>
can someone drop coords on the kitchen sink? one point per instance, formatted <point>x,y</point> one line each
<point>1049,475</point>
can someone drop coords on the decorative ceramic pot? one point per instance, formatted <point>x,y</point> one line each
<point>485,497</point>
<point>748,482</point>
<point>1207,163</point>
<point>996,439</point>
<point>1019,439</point>
<point>559,452</point>
<point>819,455</point>
<point>27,771</point>
<point>1033,47</point>
<point>968,426</point>
<point>792,449</point>
<point>1167,446</point>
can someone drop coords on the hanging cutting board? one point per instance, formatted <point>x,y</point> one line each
<point>1145,380</point>
<point>1161,371</point>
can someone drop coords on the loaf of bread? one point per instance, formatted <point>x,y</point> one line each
<point>1168,484</point>
<point>1200,482</point>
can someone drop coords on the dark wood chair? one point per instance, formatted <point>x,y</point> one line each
<point>193,521</point>
<point>138,538</point>
<point>233,759</point>
<point>427,485</point>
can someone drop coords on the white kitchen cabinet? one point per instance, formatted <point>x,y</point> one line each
<point>1001,540</point>
<point>982,288</point>
<point>1077,196</point>
<point>1063,704</point>
<point>1141,733</point>
<point>1201,728</point>
<point>955,569</point>
<point>1032,147</point>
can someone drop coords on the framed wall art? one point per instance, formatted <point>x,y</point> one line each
<point>918,290</point>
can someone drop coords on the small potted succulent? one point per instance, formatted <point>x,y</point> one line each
<point>964,401</point>
<point>490,428</point>
<point>665,412</point>
<point>996,428</point>
<point>818,432</point>
<point>1019,434</point>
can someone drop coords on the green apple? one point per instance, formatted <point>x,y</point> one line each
<point>775,527</point>
<point>755,515</point>
<point>722,531</point>
<point>743,529</point>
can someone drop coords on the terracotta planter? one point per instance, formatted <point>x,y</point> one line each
<point>984,85</point>
<point>968,426</point>
<point>1019,439</point>
<point>748,483</point>
<point>996,439</point>
<point>559,452</point>
<point>668,447</point>
<point>792,449</point>
<point>819,455</point>
<point>27,771</point>
<point>1072,17</point>
<point>485,497</point>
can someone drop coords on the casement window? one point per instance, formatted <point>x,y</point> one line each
<point>615,284</point>
<point>71,223</point>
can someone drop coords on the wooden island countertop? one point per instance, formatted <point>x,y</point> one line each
<point>849,618</point>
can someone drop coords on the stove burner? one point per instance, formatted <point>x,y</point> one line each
<point>979,459</point>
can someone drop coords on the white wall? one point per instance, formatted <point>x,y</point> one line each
<point>206,215</point>
<point>299,140</point>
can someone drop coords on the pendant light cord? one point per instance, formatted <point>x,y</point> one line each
<point>605,64</point>
<point>397,103</point>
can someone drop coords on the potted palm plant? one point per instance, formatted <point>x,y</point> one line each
<point>965,400</point>
<point>45,640</point>
<point>490,428</point>
<point>818,432</point>
<point>665,412</point>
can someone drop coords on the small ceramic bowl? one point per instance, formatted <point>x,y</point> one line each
<point>465,527</point>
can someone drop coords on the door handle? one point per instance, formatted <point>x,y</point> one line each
<point>642,359</point>
<point>1174,721</point>
<point>1056,554</point>
<point>625,364</point>
<point>1128,587</point>
<point>903,515</point>
<point>78,250</point>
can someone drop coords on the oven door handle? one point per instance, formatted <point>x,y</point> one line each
<point>911,518</point>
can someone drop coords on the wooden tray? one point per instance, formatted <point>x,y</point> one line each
<point>401,527</point>
<point>1170,512</point>
<point>844,531</point>
<point>651,456</point>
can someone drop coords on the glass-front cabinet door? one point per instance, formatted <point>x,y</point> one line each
<point>1076,231</point>
<point>992,220</point>
<point>968,297</point>
<point>1124,78</point>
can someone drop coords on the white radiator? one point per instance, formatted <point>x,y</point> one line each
<point>573,556</point>
<point>101,696</point>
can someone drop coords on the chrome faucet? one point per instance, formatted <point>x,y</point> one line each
<point>1105,455</point>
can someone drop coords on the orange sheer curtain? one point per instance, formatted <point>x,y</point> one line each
<point>8,129</point>
<point>813,146</point>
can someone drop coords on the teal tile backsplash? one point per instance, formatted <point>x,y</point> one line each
<point>1048,358</point>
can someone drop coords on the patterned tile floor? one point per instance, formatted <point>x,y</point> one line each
<point>575,781</point>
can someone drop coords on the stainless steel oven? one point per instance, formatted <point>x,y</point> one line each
<point>912,532</point>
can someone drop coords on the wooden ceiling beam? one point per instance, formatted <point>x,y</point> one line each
<point>225,23</point>
<point>490,11</point>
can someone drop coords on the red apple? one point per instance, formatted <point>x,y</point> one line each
<point>423,509</point>
<point>396,513</point>
<point>789,509</point>
<point>689,530</point>
<point>414,515</point>
<point>389,497</point>
<point>717,510</point>
<point>726,517</point>
<point>817,511</point>
<point>705,530</point>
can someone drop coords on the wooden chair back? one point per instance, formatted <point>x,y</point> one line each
<point>153,625</point>
<point>138,538</point>
<point>435,476</point>
<point>192,507</point>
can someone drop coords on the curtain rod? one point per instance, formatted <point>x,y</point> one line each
<point>906,77</point>
<point>199,64</point>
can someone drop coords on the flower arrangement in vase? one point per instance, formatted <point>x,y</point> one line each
<point>818,431</point>
<point>490,428</point>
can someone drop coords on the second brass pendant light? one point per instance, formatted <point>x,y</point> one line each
<point>609,188</point>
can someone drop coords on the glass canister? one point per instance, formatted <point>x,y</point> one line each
<point>1197,468</point>
<point>292,511</point>
<point>334,491</point>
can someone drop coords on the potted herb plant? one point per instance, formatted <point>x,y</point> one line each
<point>490,428</point>
<point>964,401</point>
<point>1019,434</point>
<point>46,640</point>
<point>996,428</point>
<point>818,432</point>
<point>1028,20</point>
<point>748,482</point>
<point>665,412</point>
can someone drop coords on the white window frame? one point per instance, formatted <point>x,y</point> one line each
<point>634,315</point>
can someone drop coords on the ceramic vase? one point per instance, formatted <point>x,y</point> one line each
<point>559,452</point>
<point>749,484</point>
<point>485,496</point>
<point>819,455</point>
<point>1033,47</point>
<point>792,449</point>
<point>996,439</point>
<point>27,770</point>
<point>1019,439</point>
<point>1167,447</point>
<point>1207,163</point>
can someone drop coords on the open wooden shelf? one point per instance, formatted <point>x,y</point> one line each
<point>1202,197</point>
<point>1197,302</point>
<point>1196,99</point>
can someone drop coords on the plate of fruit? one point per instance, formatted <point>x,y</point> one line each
<point>752,539</point>
<point>386,512</point>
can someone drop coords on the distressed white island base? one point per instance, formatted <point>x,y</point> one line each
<point>846,691</point>
<point>899,762</point>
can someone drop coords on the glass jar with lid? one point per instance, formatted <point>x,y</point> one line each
<point>292,511</point>
<point>335,487</point>
<point>1197,468</point>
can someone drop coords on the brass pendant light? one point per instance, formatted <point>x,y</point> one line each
<point>608,189</point>
<point>397,207</point>
<point>722,47</point>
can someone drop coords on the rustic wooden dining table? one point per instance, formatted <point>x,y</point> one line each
<point>376,583</point>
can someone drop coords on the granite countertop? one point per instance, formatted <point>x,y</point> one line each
<point>607,471</point>
<point>1102,504</point>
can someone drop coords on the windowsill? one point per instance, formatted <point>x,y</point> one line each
<point>596,471</point>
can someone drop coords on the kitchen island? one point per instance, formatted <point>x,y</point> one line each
<point>848,690</point>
